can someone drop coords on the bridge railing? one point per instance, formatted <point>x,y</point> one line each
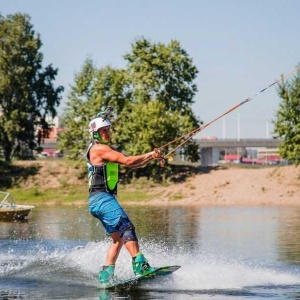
<point>206,143</point>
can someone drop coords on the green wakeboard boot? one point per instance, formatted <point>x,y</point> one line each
<point>140,265</point>
<point>106,274</point>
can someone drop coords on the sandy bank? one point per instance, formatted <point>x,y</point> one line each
<point>236,186</point>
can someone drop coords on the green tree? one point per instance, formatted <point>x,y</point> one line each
<point>152,98</point>
<point>164,74</point>
<point>78,111</point>
<point>92,91</point>
<point>27,94</point>
<point>287,122</point>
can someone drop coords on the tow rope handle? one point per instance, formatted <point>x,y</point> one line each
<point>159,156</point>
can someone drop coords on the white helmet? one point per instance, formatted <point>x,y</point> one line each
<point>97,123</point>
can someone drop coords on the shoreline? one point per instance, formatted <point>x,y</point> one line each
<point>274,186</point>
<point>231,186</point>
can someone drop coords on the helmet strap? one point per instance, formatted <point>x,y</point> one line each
<point>97,137</point>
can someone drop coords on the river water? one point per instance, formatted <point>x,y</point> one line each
<point>224,252</point>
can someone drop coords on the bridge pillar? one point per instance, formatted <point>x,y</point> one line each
<point>209,156</point>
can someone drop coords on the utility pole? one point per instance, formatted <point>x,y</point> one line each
<point>224,129</point>
<point>238,125</point>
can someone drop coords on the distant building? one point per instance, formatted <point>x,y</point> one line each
<point>232,158</point>
<point>49,144</point>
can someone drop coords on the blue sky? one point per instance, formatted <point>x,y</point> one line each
<point>238,46</point>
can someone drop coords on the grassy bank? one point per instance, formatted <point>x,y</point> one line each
<point>64,182</point>
<point>140,191</point>
<point>60,182</point>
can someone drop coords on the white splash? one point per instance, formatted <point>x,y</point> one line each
<point>199,271</point>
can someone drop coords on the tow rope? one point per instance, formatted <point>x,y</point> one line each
<point>188,136</point>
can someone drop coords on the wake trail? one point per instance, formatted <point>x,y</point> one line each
<point>199,270</point>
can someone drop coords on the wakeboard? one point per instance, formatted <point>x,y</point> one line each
<point>121,284</point>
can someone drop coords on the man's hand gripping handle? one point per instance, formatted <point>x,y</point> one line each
<point>159,155</point>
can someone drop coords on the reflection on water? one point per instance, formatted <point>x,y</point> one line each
<point>244,252</point>
<point>274,232</point>
<point>289,235</point>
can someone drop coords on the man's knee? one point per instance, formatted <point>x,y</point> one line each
<point>129,234</point>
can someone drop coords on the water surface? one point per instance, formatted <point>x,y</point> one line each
<point>225,252</point>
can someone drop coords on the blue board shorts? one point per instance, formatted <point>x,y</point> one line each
<point>107,209</point>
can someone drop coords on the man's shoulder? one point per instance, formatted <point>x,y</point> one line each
<point>101,147</point>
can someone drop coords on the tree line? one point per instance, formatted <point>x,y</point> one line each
<point>152,98</point>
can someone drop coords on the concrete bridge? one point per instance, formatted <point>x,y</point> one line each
<point>231,143</point>
<point>210,148</point>
<point>209,143</point>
